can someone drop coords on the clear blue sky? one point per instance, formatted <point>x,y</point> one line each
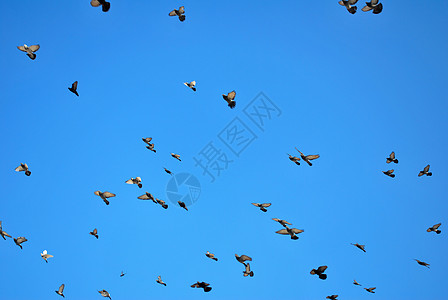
<point>351,88</point>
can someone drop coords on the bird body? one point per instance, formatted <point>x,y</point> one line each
<point>422,263</point>
<point>104,196</point>
<point>435,228</point>
<point>176,156</point>
<point>122,274</point>
<point>104,293</point>
<point>362,247</point>
<point>19,241</point>
<point>262,206</point>
<point>370,290</point>
<point>391,158</point>
<point>105,6</point>
<point>94,233</point>
<point>348,4</point>
<point>373,5</point>
<point>355,282</point>
<point>182,204</point>
<point>147,196</point>
<point>294,159</point>
<point>163,203</point>
<point>247,271</point>
<point>168,171</point>
<point>291,231</point>
<point>389,173</point>
<point>3,233</point>
<point>29,50</point>
<point>203,285</point>
<point>308,158</point>
<point>282,222</point>
<point>333,297</point>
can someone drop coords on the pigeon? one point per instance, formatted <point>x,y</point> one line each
<point>159,280</point>
<point>105,6</point>
<point>94,233</point>
<point>389,173</point>
<point>29,50</point>
<point>348,4</point>
<point>247,271</point>
<point>355,282</point>
<point>433,228</point>
<point>151,147</point>
<point>333,297</point>
<point>23,167</point>
<point>362,247</point>
<point>122,274</point>
<point>182,204</point>
<point>168,171</point>
<point>242,258</point>
<point>211,255</point>
<point>373,4</point>
<point>202,285</point>
<point>178,12</point>
<point>104,196</point>
<point>294,159</point>
<point>391,158</point>
<point>424,172</point>
<point>370,290</point>
<point>147,196</point>
<point>320,272</point>
<point>45,255</point>
<point>3,233</point>
<point>163,203</point>
<point>283,222</point>
<point>191,85</point>
<point>74,88</point>
<point>176,156</point>
<point>136,180</point>
<point>19,241</point>
<point>104,293</point>
<point>262,206</point>
<point>60,291</point>
<point>230,99</point>
<point>147,140</point>
<point>291,231</point>
<point>307,158</point>
<point>422,263</point>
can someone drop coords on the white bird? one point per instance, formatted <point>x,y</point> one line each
<point>45,255</point>
<point>137,181</point>
<point>29,50</point>
<point>191,85</point>
<point>23,167</point>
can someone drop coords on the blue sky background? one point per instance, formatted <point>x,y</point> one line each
<point>351,88</point>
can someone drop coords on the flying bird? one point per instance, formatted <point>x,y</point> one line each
<point>211,255</point>
<point>176,156</point>
<point>182,204</point>
<point>230,99</point>
<point>74,88</point>
<point>291,231</point>
<point>434,228</point>
<point>104,196</point>
<point>163,203</point>
<point>391,158</point>
<point>19,241</point>
<point>362,247</point>
<point>425,172</point>
<point>355,282</point>
<point>178,12</point>
<point>94,233</point>
<point>137,181</point>
<point>23,167</point>
<point>60,291</point>
<point>104,293</point>
<point>168,171</point>
<point>151,147</point>
<point>283,222</point>
<point>147,196</point>
<point>348,4</point>
<point>242,258</point>
<point>122,274</point>
<point>105,5</point>
<point>202,285</point>
<point>389,173</point>
<point>159,280</point>
<point>262,206</point>
<point>320,272</point>
<point>247,271</point>
<point>29,50</point>
<point>307,158</point>
<point>294,159</point>
<point>147,140</point>
<point>191,85</point>
<point>333,297</point>
<point>373,4</point>
<point>422,263</point>
<point>370,290</point>
<point>3,233</point>
<point>45,255</point>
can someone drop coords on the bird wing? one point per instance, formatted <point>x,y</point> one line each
<point>195,285</point>
<point>95,3</point>
<point>266,204</point>
<point>282,231</point>
<point>129,181</point>
<point>426,169</point>
<point>75,85</point>
<point>182,10</point>
<point>19,168</point>
<point>245,257</point>
<point>172,13</point>
<point>21,48</point>
<point>352,2</point>
<point>147,140</point>
<point>311,157</point>
<point>231,95</point>
<point>5,234</point>
<point>143,197</point>
<point>193,83</point>
<point>139,179</point>
<point>21,239</point>
<point>108,195</point>
<point>436,226</point>
<point>95,231</point>
<point>295,230</point>
<point>366,8</point>
<point>392,155</point>
<point>374,2</point>
<point>322,269</point>
<point>276,219</point>
<point>256,204</point>
<point>34,48</point>
<point>61,288</point>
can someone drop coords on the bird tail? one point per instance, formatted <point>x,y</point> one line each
<point>232,104</point>
<point>106,6</point>
<point>429,174</point>
<point>194,89</point>
<point>207,289</point>
<point>396,161</point>
<point>106,201</point>
<point>140,185</point>
<point>28,173</point>
<point>313,272</point>
<point>392,175</point>
<point>263,209</point>
<point>294,237</point>
<point>251,274</point>
<point>215,258</point>
<point>438,231</point>
<point>323,276</point>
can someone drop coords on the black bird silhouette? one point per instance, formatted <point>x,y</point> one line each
<point>74,88</point>
<point>320,272</point>
<point>391,158</point>
<point>389,173</point>
<point>182,204</point>
<point>202,285</point>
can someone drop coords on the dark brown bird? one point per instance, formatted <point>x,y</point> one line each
<point>422,263</point>
<point>294,159</point>
<point>151,147</point>
<point>122,274</point>
<point>60,291</point>
<point>74,88</point>
<point>19,241</point>
<point>202,285</point>
<point>355,282</point>
<point>176,156</point>
<point>3,233</point>
<point>333,297</point>
<point>182,204</point>
<point>230,99</point>
<point>178,12</point>
<point>425,172</point>
<point>373,5</point>
<point>262,206</point>
<point>283,222</point>
<point>105,5</point>
<point>320,272</point>
<point>147,140</point>
<point>94,233</point>
<point>104,293</point>
<point>161,202</point>
<point>307,158</point>
<point>168,171</point>
<point>434,228</point>
<point>243,258</point>
<point>389,173</point>
<point>370,290</point>
<point>147,196</point>
<point>362,247</point>
<point>211,255</point>
<point>391,158</point>
<point>104,196</point>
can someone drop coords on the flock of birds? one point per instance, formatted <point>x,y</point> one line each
<point>230,99</point>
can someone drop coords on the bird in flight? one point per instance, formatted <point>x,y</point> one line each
<point>230,99</point>
<point>94,233</point>
<point>425,171</point>
<point>308,158</point>
<point>74,88</point>
<point>348,4</point>
<point>163,203</point>
<point>3,233</point>
<point>23,167</point>
<point>191,85</point>
<point>159,280</point>
<point>282,222</point>
<point>370,290</point>
<point>147,196</point>
<point>182,204</point>
<point>333,297</point>
<point>243,258</point>
<point>202,285</point>
<point>389,173</point>
<point>178,12</point>
<point>19,241</point>
<point>176,156</point>
<point>211,255</point>
<point>391,158</point>
<point>262,206</point>
<point>29,50</point>
<point>362,247</point>
<point>168,171</point>
<point>45,255</point>
<point>434,228</point>
<point>60,291</point>
<point>104,293</point>
<point>136,180</point>
<point>122,274</point>
<point>247,271</point>
<point>104,196</point>
<point>291,231</point>
<point>150,146</point>
<point>422,263</point>
<point>320,272</point>
<point>294,159</point>
<point>355,282</point>
<point>105,5</point>
<point>373,5</point>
